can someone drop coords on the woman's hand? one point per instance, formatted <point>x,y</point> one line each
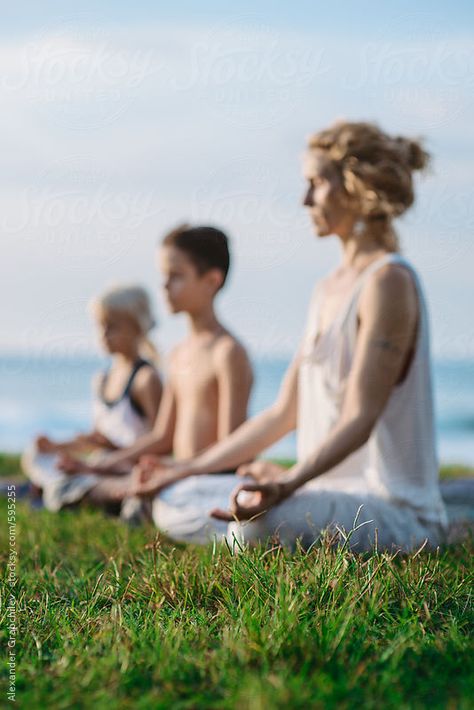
<point>252,499</point>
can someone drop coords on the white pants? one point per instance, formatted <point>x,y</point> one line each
<point>59,489</point>
<point>182,511</point>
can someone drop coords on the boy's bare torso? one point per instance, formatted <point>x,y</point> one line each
<point>194,378</point>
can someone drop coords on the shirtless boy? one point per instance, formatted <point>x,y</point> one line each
<point>210,377</point>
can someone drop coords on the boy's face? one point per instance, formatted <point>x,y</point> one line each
<point>185,289</point>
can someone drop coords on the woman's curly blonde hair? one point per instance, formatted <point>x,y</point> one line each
<point>376,171</point>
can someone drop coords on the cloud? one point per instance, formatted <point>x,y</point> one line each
<point>110,136</point>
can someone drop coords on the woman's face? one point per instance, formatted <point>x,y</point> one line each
<point>324,197</point>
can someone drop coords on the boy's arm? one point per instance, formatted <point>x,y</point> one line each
<point>159,441</point>
<point>234,382</point>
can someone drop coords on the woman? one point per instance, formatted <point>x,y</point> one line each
<point>359,391</point>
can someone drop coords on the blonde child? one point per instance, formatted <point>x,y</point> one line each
<point>126,397</point>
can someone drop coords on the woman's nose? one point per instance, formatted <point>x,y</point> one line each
<point>308,198</point>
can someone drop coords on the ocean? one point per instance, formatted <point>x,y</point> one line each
<point>53,395</point>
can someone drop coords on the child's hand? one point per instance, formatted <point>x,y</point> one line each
<point>154,461</point>
<point>68,464</point>
<point>45,445</point>
<point>99,440</point>
<point>149,476</point>
<point>262,471</point>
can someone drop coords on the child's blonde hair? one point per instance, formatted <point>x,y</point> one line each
<point>133,301</point>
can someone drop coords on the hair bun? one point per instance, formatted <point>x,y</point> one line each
<point>413,153</point>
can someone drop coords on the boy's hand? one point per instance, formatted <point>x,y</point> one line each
<point>152,474</point>
<point>154,461</point>
<point>95,439</point>
<point>262,471</point>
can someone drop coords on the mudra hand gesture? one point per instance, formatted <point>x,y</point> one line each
<point>254,498</point>
<point>67,463</point>
<point>71,465</point>
<point>153,473</point>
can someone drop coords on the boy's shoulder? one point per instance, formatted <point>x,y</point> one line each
<point>229,351</point>
<point>224,351</point>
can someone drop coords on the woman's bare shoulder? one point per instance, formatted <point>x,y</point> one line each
<point>395,276</point>
<point>390,290</point>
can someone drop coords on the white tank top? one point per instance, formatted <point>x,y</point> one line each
<point>119,420</point>
<point>399,462</point>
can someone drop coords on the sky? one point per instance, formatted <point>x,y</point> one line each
<point>121,120</point>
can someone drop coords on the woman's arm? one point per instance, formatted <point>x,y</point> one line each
<point>388,317</point>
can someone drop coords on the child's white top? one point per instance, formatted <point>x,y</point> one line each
<point>399,463</point>
<point>121,421</point>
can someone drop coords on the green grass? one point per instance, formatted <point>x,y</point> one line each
<point>9,465</point>
<point>110,617</point>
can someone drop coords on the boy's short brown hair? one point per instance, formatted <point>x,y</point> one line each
<point>207,247</point>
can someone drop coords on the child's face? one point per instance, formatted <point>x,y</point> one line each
<point>118,332</point>
<point>185,289</point>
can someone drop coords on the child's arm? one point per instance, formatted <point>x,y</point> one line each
<point>147,391</point>
<point>73,446</point>
<point>81,442</point>
<point>158,442</point>
<point>234,381</point>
